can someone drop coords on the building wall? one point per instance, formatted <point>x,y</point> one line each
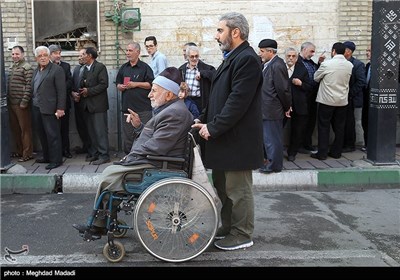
<point>175,22</point>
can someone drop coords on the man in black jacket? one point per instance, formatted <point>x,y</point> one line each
<point>55,57</point>
<point>276,104</point>
<point>48,96</point>
<point>232,127</point>
<point>300,88</point>
<point>94,100</point>
<point>353,129</point>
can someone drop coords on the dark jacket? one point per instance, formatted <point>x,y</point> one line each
<point>96,81</point>
<point>68,82</point>
<point>357,82</point>
<point>206,72</point>
<point>276,96</point>
<point>233,113</point>
<point>165,134</point>
<point>367,86</point>
<point>300,94</point>
<point>51,89</point>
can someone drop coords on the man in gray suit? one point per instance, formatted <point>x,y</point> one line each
<point>48,89</point>
<point>165,134</point>
<point>94,100</point>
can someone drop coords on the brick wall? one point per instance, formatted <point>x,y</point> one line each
<point>355,24</point>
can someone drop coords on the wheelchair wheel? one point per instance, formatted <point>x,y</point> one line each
<point>175,219</point>
<point>120,232</point>
<point>115,252</point>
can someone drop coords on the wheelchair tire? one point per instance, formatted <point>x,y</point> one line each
<point>119,233</point>
<point>175,219</point>
<point>114,253</point>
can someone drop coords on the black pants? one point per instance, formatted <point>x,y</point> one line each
<point>327,116</point>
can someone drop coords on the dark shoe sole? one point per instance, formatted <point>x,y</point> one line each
<point>318,157</point>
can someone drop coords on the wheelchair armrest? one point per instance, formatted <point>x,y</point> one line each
<point>162,158</point>
<point>166,160</point>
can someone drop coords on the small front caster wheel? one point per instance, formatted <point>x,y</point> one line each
<point>115,252</point>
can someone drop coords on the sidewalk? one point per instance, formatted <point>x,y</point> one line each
<point>352,170</point>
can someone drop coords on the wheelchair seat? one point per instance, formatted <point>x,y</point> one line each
<point>135,182</point>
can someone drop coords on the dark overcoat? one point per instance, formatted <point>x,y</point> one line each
<point>300,94</point>
<point>96,81</point>
<point>233,114</point>
<point>51,89</point>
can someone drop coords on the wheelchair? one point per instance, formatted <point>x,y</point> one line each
<point>174,218</point>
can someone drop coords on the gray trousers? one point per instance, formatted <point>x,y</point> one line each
<point>111,180</point>
<point>235,190</point>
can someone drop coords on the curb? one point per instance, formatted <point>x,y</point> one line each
<point>28,183</point>
<point>358,177</point>
<point>288,180</point>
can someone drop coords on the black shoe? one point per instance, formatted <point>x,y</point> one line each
<point>101,161</point>
<point>304,151</point>
<point>334,156</point>
<point>80,228</point>
<point>310,148</point>
<point>53,165</point>
<point>42,160</point>
<point>267,171</point>
<point>348,149</point>
<point>291,158</point>
<point>92,230</point>
<point>91,158</point>
<point>67,154</point>
<point>364,148</point>
<point>317,156</point>
<point>80,150</point>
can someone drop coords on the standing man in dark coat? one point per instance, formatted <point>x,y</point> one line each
<point>55,57</point>
<point>48,89</point>
<point>353,129</point>
<point>95,104</point>
<point>276,103</point>
<point>232,127</point>
<point>78,108</point>
<point>300,88</point>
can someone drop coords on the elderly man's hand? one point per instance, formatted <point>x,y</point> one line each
<point>133,118</point>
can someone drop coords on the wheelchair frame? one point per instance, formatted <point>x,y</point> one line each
<point>175,218</point>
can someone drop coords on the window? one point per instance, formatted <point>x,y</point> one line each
<point>70,24</point>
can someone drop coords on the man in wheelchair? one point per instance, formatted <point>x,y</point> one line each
<point>165,134</point>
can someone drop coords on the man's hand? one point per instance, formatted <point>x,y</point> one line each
<point>203,131</point>
<point>83,92</point>
<point>76,96</point>
<point>121,87</point>
<point>133,118</point>
<point>59,113</point>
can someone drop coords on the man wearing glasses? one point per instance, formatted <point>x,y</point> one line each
<point>197,76</point>
<point>158,60</point>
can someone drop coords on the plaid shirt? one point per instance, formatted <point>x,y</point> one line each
<point>193,84</point>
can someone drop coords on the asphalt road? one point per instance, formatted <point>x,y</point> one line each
<point>292,229</point>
